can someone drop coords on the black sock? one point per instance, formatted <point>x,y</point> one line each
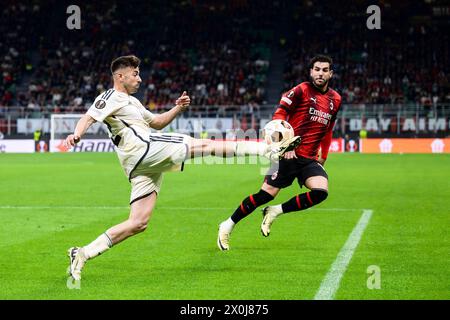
<point>305,200</point>
<point>250,204</point>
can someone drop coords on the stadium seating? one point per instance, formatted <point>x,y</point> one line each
<point>221,54</point>
<point>409,64</point>
<point>72,67</point>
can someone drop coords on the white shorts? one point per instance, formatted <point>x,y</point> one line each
<point>167,152</point>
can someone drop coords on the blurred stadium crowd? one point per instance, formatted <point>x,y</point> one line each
<point>221,54</point>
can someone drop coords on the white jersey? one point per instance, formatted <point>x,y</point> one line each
<point>128,124</point>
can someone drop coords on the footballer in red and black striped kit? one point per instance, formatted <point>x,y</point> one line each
<point>312,114</point>
<point>311,108</point>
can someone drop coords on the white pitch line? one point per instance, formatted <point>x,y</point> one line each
<point>158,207</point>
<point>330,283</point>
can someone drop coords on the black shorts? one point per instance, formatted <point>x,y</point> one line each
<point>282,174</point>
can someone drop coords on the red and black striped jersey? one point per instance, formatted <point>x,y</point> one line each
<point>312,114</point>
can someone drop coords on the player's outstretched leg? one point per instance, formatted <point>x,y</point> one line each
<point>300,202</point>
<point>247,206</point>
<point>201,147</point>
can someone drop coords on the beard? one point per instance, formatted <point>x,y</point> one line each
<point>320,85</point>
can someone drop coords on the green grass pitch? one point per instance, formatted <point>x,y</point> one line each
<point>50,202</point>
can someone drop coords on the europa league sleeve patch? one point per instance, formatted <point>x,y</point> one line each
<point>100,104</point>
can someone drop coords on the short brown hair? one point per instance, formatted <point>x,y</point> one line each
<point>321,58</point>
<point>124,62</point>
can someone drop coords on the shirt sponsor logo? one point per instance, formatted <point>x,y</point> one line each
<point>319,116</point>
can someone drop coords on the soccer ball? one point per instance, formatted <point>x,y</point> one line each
<point>276,131</point>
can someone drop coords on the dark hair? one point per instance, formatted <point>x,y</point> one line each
<point>124,62</point>
<point>321,58</point>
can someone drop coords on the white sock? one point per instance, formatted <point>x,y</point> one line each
<point>98,246</point>
<point>250,148</point>
<point>277,209</point>
<point>227,225</point>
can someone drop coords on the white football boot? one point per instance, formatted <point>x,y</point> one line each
<point>269,215</point>
<point>276,151</point>
<point>223,238</point>
<point>77,262</point>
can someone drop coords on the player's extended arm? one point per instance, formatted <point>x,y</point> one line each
<point>325,145</point>
<point>161,120</point>
<point>82,125</point>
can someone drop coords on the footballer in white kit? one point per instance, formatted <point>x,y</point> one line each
<point>144,155</point>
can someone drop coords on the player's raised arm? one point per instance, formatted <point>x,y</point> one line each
<point>161,120</point>
<point>83,124</point>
